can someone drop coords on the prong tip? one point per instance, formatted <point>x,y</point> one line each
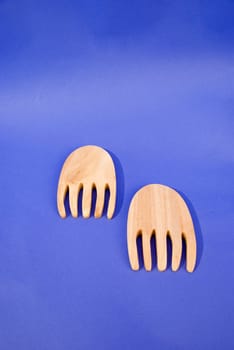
<point>148,269</point>
<point>75,216</point>
<point>135,267</point>
<point>86,216</point>
<point>161,268</point>
<point>190,270</point>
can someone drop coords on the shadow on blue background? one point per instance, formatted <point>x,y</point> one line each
<point>119,182</point>
<point>197,228</point>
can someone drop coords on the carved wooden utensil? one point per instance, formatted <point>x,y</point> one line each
<point>87,168</point>
<point>159,210</point>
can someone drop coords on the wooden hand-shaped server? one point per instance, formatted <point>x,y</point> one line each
<point>159,210</point>
<point>87,168</point>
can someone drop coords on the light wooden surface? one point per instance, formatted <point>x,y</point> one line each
<point>160,210</point>
<point>87,167</point>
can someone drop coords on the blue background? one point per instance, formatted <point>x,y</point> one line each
<point>152,82</point>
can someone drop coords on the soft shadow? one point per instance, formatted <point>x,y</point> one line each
<point>120,182</point>
<point>153,251</point>
<point>140,251</point>
<point>197,228</point>
<point>169,252</point>
<point>66,204</point>
<point>106,202</point>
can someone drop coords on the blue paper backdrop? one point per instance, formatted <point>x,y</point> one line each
<point>153,83</point>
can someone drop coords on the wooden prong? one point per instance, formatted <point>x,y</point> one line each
<point>99,200</point>
<point>73,199</point>
<point>132,250</point>
<point>191,250</point>
<point>86,200</point>
<point>161,247</point>
<point>61,194</point>
<point>176,240</point>
<point>147,251</point>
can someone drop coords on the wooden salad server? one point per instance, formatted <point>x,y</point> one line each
<point>159,210</point>
<point>87,168</point>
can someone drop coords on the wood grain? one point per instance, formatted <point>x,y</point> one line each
<point>86,168</point>
<point>159,210</point>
